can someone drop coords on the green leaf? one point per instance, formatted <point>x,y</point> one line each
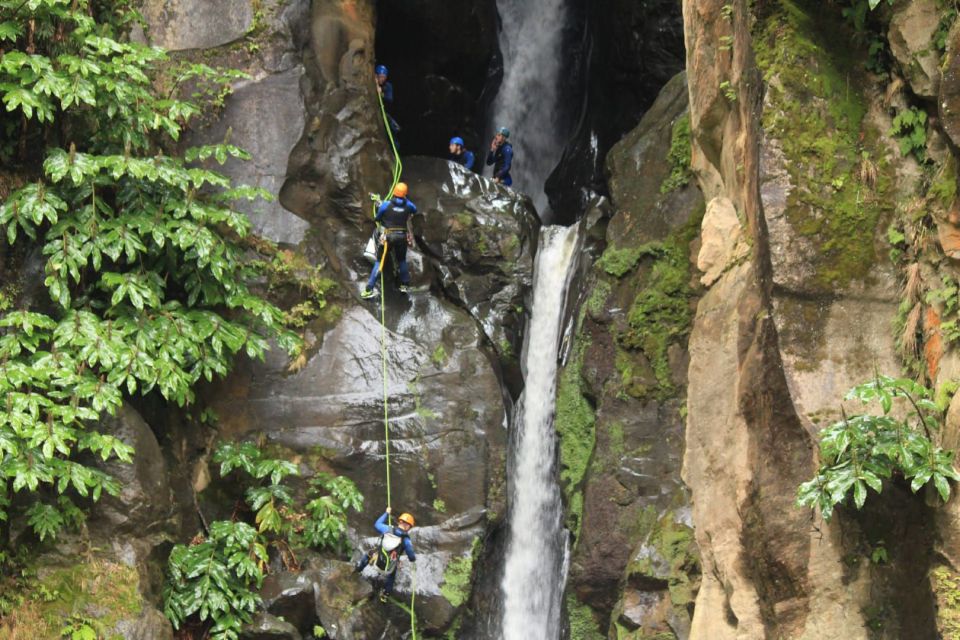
<point>943,487</point>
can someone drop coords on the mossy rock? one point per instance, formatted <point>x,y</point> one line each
<point>945,583</point>
<point>90,597</point>
<point>815,111</point>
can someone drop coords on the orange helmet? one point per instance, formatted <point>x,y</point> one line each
<point>400,191</point>
<point>406,517</point>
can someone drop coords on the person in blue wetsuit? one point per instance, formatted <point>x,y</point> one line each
<point>385,88</point>
<point>460,154</point>
<point>386,556</point>
<point>501,157</point>
<point>394,215</point>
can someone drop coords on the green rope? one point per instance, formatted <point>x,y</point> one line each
<point>413,597</point>
<point>383,357</point>
<point>397,172</point>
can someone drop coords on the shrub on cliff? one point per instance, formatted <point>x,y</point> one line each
<point>142,251</point>
<point>214,580</point>
<point>861,451</point>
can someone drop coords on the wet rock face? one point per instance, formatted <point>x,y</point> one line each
<point>266,626</point>
<point>266,113</point>
<point>176,25</point>
<point>911,37</point>
<point>635,564</point>
<point>145,504</point>
<point>343,153</point>
<point>480,238</point>
<point>444,63</point>
<point>949,98</point>
<point>633,49</point>
<point>446,426</point>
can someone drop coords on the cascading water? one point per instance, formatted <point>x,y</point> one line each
<point>528,102</point>
<point>533,571</point>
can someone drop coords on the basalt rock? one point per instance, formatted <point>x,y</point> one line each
<point>625,53</point>
<point>444,62</point>
<point>176,25</point>
<point>480,238</point>
<point>949,97</point>
<point>634,562</point>
<point>266,112</point>
<point>911,36</point>
<point>343,154</point>
<point>446,416</point>
<point>265,626</point>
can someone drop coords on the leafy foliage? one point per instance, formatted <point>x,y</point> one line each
<point>859,452</point>
<point>679,156</point>
<point>143,265</point>
<point>216,579</point>
<point>910,130</point>
<point>859,10</point>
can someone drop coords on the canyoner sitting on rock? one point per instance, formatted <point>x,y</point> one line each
<point>501,157</point>
<point>460,154</point>
<point>397,235</point>
<point>385,557</point>
<point>385,89</point>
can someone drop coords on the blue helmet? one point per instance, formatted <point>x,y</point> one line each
<point>504,132</point>
<point>457,140</point>
<point>380,70</point>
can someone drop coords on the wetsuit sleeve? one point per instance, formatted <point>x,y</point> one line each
<point>381,524</point>
<point>412,207</point>
<point>381,210</point>
<point>507,161</point>
<point>387,93</point>
<point>491,158</point>
<point>408,547</point>
<point>468,164</point>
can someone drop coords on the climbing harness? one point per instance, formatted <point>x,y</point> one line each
<point>388,553</point>
<point>397,172</point>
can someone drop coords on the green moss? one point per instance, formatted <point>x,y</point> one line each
<point>575,425</point>
<point>660,314</point>
<point>439,355</point>
<point>679,155</point>
<point>583,625</point>
<point>93,593</point>
<point>598,298</point>
<point>946,590</point>
<point>618,262</point>
<point>454,631</point>
<point>674,544</point>
<point>816,111</point>
<point>944,185</point>
<point>457,577</point>
<point>633,382</point>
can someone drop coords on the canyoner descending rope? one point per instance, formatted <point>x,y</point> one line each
<point>397,173</point>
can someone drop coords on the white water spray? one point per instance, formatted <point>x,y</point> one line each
<point>528,101</point>
<point>533,573</point>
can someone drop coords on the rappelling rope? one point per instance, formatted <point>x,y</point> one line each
<point>397,172</point>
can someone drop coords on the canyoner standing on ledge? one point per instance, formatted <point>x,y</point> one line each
<point>460,154</point>
<point>397,235</point>
<point>385,89</point>
<point>501,157</point>
<point>385,557</point>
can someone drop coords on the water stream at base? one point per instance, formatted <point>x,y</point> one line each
<point>534,564</point>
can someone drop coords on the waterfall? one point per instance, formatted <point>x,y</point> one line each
<point>528,102</point>
<point>533,571</point>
